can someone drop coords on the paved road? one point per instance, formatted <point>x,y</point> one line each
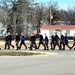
<point>62,64</point>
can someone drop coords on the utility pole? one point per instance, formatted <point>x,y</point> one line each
<point>51,17</point>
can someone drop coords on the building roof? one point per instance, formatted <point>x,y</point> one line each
<point>58,27</point>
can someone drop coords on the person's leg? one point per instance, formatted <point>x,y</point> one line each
<point>35,45</point>
<point>47,46</point>
<point>31,45</point>
<point>39,45</point>
<point>54,45</point>
<point>63,46</point>
<point>11,45</point>
<point>17,47</point>
<point>60,45</point>
<point>68,46</point>
<point>20,45</point>
<point>43,45</point>
<point>51,45</point>
<point>24,45</point>
<point>73,45</point>
<point>6,43</point>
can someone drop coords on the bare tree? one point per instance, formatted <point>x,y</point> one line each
<point>68,16</point>
<point>52,12</point>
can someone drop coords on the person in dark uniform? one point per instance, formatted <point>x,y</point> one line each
<point>41,41</point>
<point>33,43</point>
<point>74,42</point>
<point>10,40</point>
<point>17,40</point>
<point>56,40</point>
<point>46,42</point>
<point>52,42</point>
<point>22,41</point>
<point>62,42</point>
<point>66,41</point>
<point>6,41</point>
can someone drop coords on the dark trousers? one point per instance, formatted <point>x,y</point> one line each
<point>73,46</point>
<point>56,44</point>
<point>46,45</point>
<point>52,44</point>
<point>62,44</point>
<point>17,42</point>
<point>6,44</point>
<point>22,43</point>
<point>66,44</point>
<point>9,44</point>
<point>41,42</point>
<point>33,44</point>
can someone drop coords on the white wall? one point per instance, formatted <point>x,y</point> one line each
<point>43,31</point>
<point>72,32</point>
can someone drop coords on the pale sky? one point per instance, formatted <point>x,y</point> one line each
<point>65,4</point>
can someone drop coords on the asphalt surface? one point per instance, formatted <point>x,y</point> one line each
<point>61,64</point>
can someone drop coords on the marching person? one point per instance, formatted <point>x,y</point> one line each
<point>10,40</point>
<point>52,41</point>
<point>46,42</point>
<point>56,40</point>
<point>17,40</point>
<point>22,41</point>
<point>33,43</point>
<point>62,42</point>
<point>66,41</point>
<point>41,41</point>
<point>6,41</point>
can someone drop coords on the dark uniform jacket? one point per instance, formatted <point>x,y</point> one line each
<point>33,38</point>
<point>52,38</point>
<point>56,38</point>
<point>17,38</point>
<point>9,38</point>
<point>46,39</point>
<point>66,39</point>
<point>62,38</point>
<point>40,38</point>
<point>6,38</point>
<point>22,38</point>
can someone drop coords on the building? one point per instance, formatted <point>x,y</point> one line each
<point>50,29</point>
<point>2,30</point>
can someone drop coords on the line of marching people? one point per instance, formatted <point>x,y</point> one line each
<point>61,41</point>
<point>18,38</point>
<point>55,41</point>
